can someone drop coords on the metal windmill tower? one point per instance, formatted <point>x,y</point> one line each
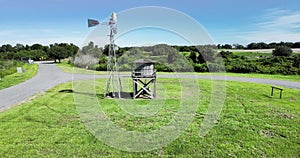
<point>113,81</point>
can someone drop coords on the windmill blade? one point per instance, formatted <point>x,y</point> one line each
<point>92,22</point>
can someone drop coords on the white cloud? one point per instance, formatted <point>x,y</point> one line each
<point>274,26</point>
<point>279,20</point>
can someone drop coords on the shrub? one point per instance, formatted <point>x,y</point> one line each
<point>282,51</point>
<point>101,67</point>
<point>85,60</point>
<point>163,68</point>
<point>201,67</point>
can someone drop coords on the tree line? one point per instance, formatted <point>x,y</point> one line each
<point>259,45</point>
<point>204,58</point>
<point>56,51</point>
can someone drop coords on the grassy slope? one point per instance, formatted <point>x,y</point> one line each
<point>14,79</point>
<point>70,69</point>
<point>249,126</point>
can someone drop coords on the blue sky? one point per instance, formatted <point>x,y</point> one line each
<point>231,21</point>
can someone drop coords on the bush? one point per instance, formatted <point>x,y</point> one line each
<point>101,67</point>
<point>125,67</point>
<point>9,67</point>
<point>163,68</point>
<point>201,67</point>
<point>213,67</point>
<point>282,51</point>
<point>85,60</point>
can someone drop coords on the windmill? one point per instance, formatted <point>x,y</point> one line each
<point>113,82</point>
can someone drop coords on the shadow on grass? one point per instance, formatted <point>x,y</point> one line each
<point>66,91</point>
<point>124,95</point>
<point>267,96</point>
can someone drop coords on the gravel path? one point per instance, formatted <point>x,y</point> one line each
<point>49,75</point>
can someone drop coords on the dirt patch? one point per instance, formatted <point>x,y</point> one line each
<point>280,114</point>
<point>267,133</point>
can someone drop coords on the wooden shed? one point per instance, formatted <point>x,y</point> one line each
<point>144,68</point>
<point>144,76</point>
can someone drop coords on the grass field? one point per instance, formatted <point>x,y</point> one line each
<point>295,50</point>
<point>16,78</point>
<point>257,53</point>
<point>70,69</point>
<point>295,78</point>
<point>251,124</point>
<point>253,54</point>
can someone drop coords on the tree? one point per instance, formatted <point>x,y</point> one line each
<point>262,45</point>
<point>272,45</point>
<point>296,45</point>
<point>92,50</point>
<point>238,46</point>
<point>226,54</point>
<point>36,47</point>
<point>7,48</point>
<point>206,54</point>
<point>226,46</point>
<point>252,46</point>
<point>107,47</point>
<point>19,47</point>
<point>282,51</point>
<point>193,57</point>
<point>296,62</point>
<point>57,52</point>
<point>62,50</point>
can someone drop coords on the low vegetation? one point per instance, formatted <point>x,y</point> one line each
<point>71,69</point>
<point>9,67</point>
<point>68,68</point>
<point>9,75</point>
<point>252,124</point>
<point>203,58</point>
<point>196,58</point>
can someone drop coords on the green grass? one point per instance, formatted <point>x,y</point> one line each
<point>267,76</point>
<point>70,69</point>
<point>8,67</point>
<point>16,78</point>
<point>252,54</point>
<point>295,78</point>
<point>251,124</point>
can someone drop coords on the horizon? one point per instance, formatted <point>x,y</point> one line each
<point>133,46</point>
<point>231,22</point>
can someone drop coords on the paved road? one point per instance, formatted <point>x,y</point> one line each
<point>49,75</point>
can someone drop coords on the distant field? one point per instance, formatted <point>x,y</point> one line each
<point>252,54</point>
<point>249,53</point>
<point>295,50</point>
